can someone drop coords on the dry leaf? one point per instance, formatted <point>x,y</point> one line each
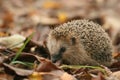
<point>62,17</point>
<point>4,76</point>
<point>53,75</point>
<point>14,41</point>
<point>46,66</point>
<point>49,71</point>
<point>18,71</point>
<point>99,77</point>
<point>35,76</point>
<point>114,76</point>
<point>51,5</point>
<point>3,34</point>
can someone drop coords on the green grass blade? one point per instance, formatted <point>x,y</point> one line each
<point>23,63</point>
<point>79,66</point>
<point>21,49</point>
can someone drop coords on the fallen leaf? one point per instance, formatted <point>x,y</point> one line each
<point>62,16</point>
<point>3,34</point>
<point>30,61</point>
<point>46,66</point>
<point>8,20</point>
<point>84,76</point>
<point>51,5</point>
<point>52,75</point>
<point>115,76</point>
<point>18,71</point>
<point>99,77</point>
<point>35,76</point>
<point>4,76</point>
<point>14,41</point>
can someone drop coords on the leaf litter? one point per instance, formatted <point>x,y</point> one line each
<point>20,18</point>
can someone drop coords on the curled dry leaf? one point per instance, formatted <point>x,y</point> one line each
<point>18,71</point>
<point>2,58</point>
<point>107,70</point>
<point>29,61</point>
<point>48,71</point>
<point>54,75</point>
<point>114,76</point>
<point>14,41</point>
<point>50,13</point>
<point>46,66</point>
<point>99,77</point>
<point>116,64</point>
<point>63,75</point>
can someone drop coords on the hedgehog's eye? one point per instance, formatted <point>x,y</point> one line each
<point>62,49</point>
<point>56,57</point>
<point>73,40</point>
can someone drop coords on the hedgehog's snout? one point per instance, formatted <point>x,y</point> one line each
<point>54,60</point>
<point>58,56</point>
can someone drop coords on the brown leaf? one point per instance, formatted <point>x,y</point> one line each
<point>84,76</point>
<point>2,58</point>
<point>116,75</point>
<point>24,57</point>
<point>18,71</point>
<point>8,19</point>
<point>116,65</point>
<point>116,62</point>
<point>63,75</point>
<point>46,66</point>
<point>4,76</point>
<point>48,71</point>
<point>99,77</point>
<point>3,34</point>
<point>53,75</point>
<point>51,5</point>
<point>62,16</point>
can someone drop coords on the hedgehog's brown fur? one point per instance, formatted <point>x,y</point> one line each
<point>84,42</point>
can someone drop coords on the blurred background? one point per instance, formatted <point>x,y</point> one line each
<point>26,16</point>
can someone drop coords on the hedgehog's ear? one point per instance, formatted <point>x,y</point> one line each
<point>73,40</point>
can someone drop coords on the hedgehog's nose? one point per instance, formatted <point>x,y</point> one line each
<point>55,58</point>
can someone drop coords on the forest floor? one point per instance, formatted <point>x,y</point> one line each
<point>24,28</point>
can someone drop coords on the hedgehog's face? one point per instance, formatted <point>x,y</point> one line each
<point>61,48</point>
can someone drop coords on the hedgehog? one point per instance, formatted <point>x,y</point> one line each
<point>80,42</point>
